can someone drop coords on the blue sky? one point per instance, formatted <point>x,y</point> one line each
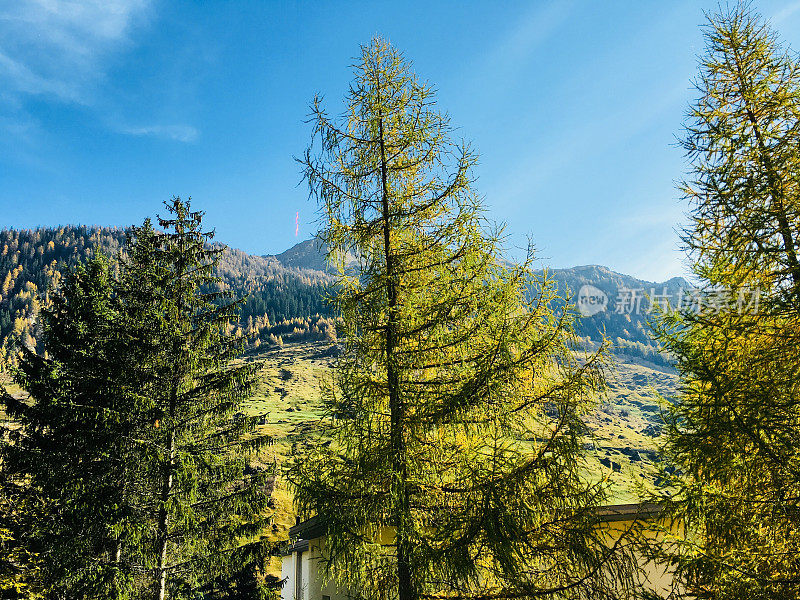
<point>109,107</point>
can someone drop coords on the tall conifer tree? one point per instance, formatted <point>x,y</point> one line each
<point>206,512</point>
<point>128,457</point>
<point>457,408</point>
<point>733,436</point>
<point>66,464</point>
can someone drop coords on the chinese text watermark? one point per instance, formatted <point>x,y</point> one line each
<point>634,301</point>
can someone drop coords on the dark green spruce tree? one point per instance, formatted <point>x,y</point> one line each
<point>126,459</point>
<point>66,463</point>
<point>455,462</point>
<point>206,515</point>
<point>733,435</point>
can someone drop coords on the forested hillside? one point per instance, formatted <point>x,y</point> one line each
<point>281,302</point>
<point>284,294</point>
<point>625,320</point>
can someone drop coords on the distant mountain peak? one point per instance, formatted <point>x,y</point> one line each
<point>308,254</point>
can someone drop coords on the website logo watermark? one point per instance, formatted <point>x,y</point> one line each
<point>591,300</point>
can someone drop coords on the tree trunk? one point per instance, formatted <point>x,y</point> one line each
<point>397,438</point>
<point>166,489</point>
<point>163,516</point>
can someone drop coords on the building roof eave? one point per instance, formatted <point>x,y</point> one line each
<point>314,527</point>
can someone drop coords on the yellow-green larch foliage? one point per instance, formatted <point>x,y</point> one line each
<point>732,443</point>
<point>455,423</point>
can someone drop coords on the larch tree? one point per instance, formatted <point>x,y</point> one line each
<point>452,463</point>
<point>732,444</point>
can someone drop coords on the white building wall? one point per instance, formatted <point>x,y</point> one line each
<point>287,570</point>
<point>311,581</point>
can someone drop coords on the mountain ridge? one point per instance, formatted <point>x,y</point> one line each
<point>310,254</point>
<point>285,293</point>
<point>629,327</point>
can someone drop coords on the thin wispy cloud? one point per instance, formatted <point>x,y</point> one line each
<point>533,30</point>
<point>521,41</point>
<point>179,133</point>
<point>660,261</point>
<point>785,13</point>
<point>20,78</point>
<point>641,240</point>
<point>61,51</point>
<point>582,140</point>
<point>59,48</point>
<point>664,213</point>
<point>606,107</point>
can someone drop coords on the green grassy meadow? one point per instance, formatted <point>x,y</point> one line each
<point>624,427</point>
